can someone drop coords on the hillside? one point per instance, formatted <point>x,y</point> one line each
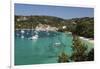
<point>79,26</point>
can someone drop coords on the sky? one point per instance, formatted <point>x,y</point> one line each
<point>57,11</point>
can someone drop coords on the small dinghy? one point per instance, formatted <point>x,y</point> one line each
<point>57,44</point>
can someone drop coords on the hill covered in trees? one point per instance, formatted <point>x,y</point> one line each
<point>79,26</point>
<point>84,26</point>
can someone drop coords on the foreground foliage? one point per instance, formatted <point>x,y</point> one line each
<point>79,50</point>
<point>63,58</point>
<point>79,54</point>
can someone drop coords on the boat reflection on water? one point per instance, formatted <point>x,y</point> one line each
<point>35,37</point>
<point>40,46</point>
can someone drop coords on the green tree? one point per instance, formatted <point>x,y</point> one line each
<point>79,51</point>
<point>90,56</point>
<point>63,58</point>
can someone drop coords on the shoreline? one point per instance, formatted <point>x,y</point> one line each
<point>83,38</point>
<point>87,39</point>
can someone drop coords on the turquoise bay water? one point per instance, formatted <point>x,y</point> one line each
<point>43,50</point>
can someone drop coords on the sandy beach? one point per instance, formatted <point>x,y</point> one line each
<point>87,39</point>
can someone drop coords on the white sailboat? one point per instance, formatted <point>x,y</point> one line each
<point>34,37</point>
<point>22,31</point>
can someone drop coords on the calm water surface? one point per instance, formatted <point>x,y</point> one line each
<point>45,49</point>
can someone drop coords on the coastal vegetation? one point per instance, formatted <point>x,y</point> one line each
<point>90,56</point>
<point>79,26</point>
<point>79,50</point>
<point>85,27</point>
<point>79,54</point>
<point>63,58</point>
